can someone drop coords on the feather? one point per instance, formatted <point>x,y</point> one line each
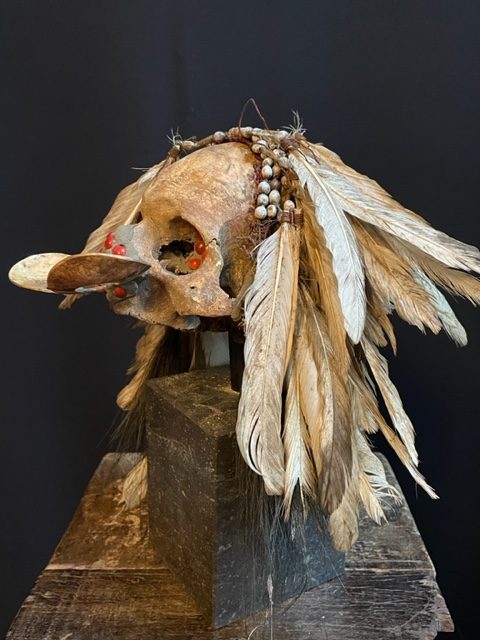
<point>299,467</point>
<point>322,285</point>
<point>447,317</point>
<point>135,485</point>
<point>340,241</point>
<point>370,420</point>
<point>457,283</point>
<point>269,320</point>
<point>378,327</point>
<point>374,486</point>
<point>123,211</point>
<point>145,357</point>
<point>343,522</point>
<point>379,368</point>
<point>391,278</point>
<point>367,200</point>
<point>325,405</point>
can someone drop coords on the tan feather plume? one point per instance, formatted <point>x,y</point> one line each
<point>457,283</point>
<point>270,306</point>
<point>378,326</point>
<point>370,420</point>
<point>340,240</point>
<point>367,200</point>
<point>402,423</point>
<point>299,466</point>
<point>147,348</point>
<point>135,485</point>
<point>374,487</point>
<point>392,279</point>
<point>343,522</point>
<point>325,405</point>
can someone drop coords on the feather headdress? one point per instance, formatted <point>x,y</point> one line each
<point>336,256</point>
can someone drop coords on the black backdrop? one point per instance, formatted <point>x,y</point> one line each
<point>92,88</point>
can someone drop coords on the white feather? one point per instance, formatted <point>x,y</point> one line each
<point>341,242</point>
<point>365,199</point>
<point>269,314</point>
<point>447,317</point>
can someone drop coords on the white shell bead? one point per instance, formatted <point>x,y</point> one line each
<point>261,213</point>
<point>257,131</point>
<point>263,199</point>
<point>288,205</point>
<point>284,162</point>
<point>267,171</point>
<point>219,136</point>
<point>275,184</point>
<point>257,148</point>
<point>246,131</point>
<point>268,161</point>
<point>272,210</point>
<point>188,145</point>
<point>274,196</point>
<point>263,187</point>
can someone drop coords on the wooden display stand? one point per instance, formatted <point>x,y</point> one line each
<point>200,520</point>
<point>107,580</point>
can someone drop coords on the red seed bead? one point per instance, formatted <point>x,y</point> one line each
<point>194,263</point>
<point>119,250</point>
<point>109,240</point>
<point>199,247</point>
<point>120,292</point>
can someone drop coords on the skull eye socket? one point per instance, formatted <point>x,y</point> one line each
<point>185,252</point>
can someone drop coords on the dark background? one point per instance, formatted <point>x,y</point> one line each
<point>91,89</point>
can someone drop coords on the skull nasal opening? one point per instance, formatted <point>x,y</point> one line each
<point>184,250</point>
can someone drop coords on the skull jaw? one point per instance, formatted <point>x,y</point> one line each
<point>155,302</point>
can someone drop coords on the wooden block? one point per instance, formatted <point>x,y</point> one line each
<point>198,505</point>
<point>105,582</point>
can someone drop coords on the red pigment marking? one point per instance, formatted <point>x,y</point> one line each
<point>119,250</point>
<point>109,240</point>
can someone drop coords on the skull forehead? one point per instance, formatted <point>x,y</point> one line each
<point>207,188</point>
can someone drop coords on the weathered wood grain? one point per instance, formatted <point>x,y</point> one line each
<point>104,583</point>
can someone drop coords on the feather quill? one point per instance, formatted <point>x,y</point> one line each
<point>340,241</point>
<point>269,320</point>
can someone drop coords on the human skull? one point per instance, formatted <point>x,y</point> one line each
<point>184,254</point>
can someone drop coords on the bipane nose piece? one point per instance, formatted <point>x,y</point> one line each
<point>91,270</point>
